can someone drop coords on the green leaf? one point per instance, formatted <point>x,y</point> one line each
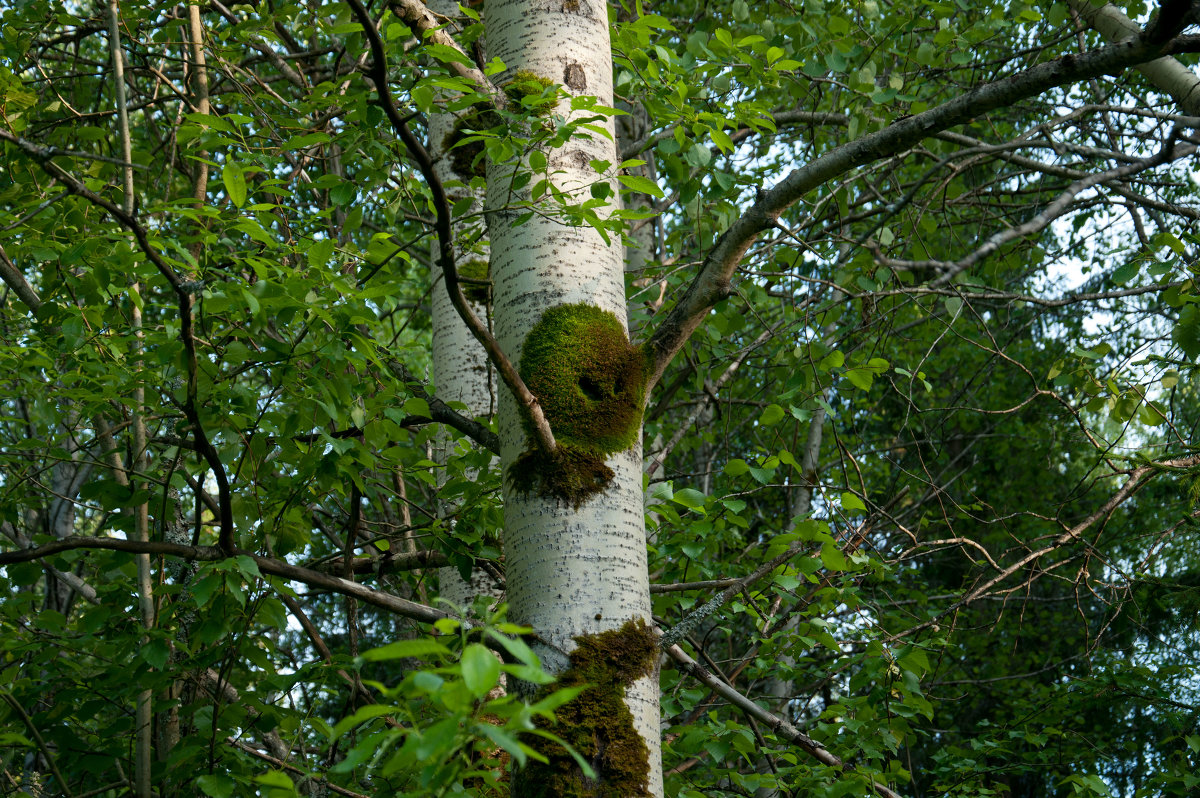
<point>736,467</point>
<point>861,378</point>
<point>851,502</point>
<point>402,649</point>
<point>1126,272</point>
<point>690,498</point>
<point>216,785</point>
<point>417,406</point>
<point>641,184</point>
<point>235,183</point>
<point>771,414</point>
<point>364,714</point>
<point>156,653</point>
<point>480,669</point>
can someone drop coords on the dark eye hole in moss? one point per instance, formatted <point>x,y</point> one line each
<point>591,390</point>
<point>597,723</point>
<point>590,382</point>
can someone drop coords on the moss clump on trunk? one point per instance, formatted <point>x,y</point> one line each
<point>571,474</point>
<point>590,382</point>
<point>527,91</point>
<point>597,723</point>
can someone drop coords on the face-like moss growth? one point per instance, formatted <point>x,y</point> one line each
<point>528,90</point>
<point>590,382</point>
<point>588,378</point>
<point>466,156</point>
<point>475,279</point>
<point>597,723</point>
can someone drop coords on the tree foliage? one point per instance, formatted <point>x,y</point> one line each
<point>920,319</point>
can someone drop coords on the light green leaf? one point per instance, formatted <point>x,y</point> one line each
<point>401,649</point>
<point>771,414</point>
<point>480,669</point>
<point>690,498</point>
<point>641,184</point>
<point>235,183</point>
<point>851,502</point>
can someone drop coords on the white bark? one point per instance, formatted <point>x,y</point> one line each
<point>1166,73</point>
<point>460,365</point>
<point>570,572</point>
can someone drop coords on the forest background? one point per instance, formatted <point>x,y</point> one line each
<point>909,427</point>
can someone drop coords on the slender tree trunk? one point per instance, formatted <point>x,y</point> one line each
<point>575,573</point>
<point>460,365</point>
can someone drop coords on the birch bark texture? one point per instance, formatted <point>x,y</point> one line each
<point>461,369</point>
<point>571,571</point>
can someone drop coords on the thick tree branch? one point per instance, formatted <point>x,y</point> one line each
<point>441,412</point>
<point>267,565</point>
<point>1166,73</point>
<point>712,284</point>
<point>427,27</point>
<point>13,278</point>
<point>947,270</point>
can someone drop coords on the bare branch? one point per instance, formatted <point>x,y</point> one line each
<point>777,724</point>
<point>712,284</point>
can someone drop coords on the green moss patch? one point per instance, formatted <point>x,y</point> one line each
<point>529,90</point>
<point>571,474</point>
<point>475,279</point>
<point>588,378</point>
<point>597,723</point>
<point>590,382</point>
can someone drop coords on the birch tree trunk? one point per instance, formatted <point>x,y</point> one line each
<point>576,569</point>
<point>460,365</point>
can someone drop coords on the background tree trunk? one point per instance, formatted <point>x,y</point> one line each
<point>570,571</point>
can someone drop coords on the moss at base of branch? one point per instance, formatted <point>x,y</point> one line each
<point>464,148</point>
<point>590,382</point>
<point>571,475</point>
<point>597,723</point>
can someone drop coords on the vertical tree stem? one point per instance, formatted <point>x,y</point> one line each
<point>144,711</point>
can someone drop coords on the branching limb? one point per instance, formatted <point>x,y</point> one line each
<point>712,284</point>
<point>426,26</point>
<point>16,281</point>
<point>445,232</point>
<point>183,293</point>
<point>1166,73</point>
<point>777,724</point>
<point>1136,480</point>
<point>947,270</point>
<point>441,412</point>
<point>266,565</point>
<point>47,752</point>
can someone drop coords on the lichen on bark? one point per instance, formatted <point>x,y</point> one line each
<point>597,723</point>
<point>590,382</point>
